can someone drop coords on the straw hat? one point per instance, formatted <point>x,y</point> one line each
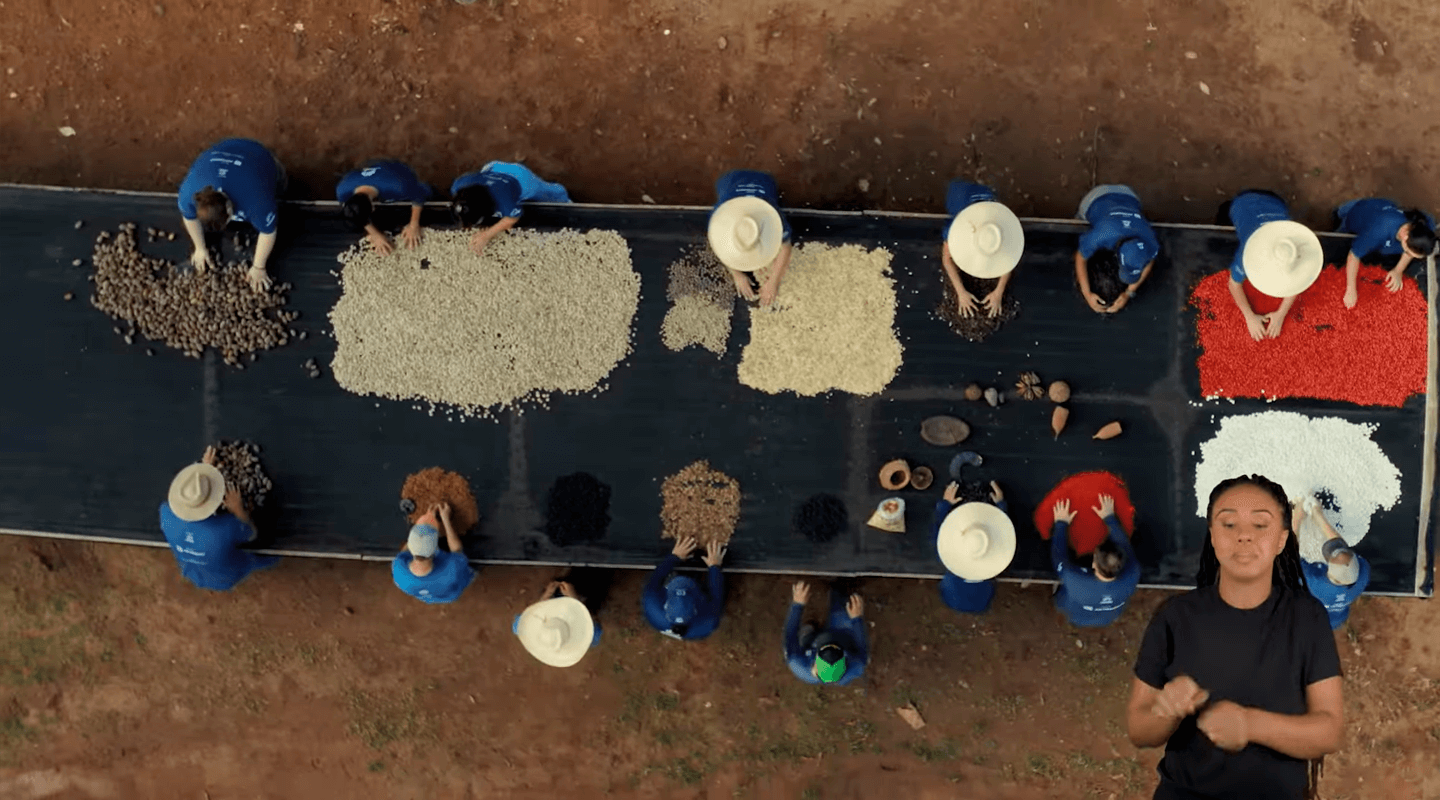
<point>557,631</point>
<point>976,542</point>
<point>1282,258</point>
<point>197,492</point>
<point>986,239</point>
<point>745,233</point>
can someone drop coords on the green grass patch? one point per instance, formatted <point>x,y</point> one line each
<point>376,766</point>
<point>944,750</point>
<point>382,719</point>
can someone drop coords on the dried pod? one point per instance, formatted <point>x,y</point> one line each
<point>992,397</point>
<point>1108,432</point>
<point>1059,392</point>
<point>1028,387</point>
<point>1058,418</point>
<point>974,392</point>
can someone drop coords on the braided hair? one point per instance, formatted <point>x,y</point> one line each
<point>1422,237</point>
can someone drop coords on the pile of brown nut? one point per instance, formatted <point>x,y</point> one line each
<point>185,309</point>
<point>239,462</point>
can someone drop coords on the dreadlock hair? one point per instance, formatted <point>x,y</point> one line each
<point>1422,237</point>
<point>358,210</point>
<point>1103,269</point>
<point>1286,572</point>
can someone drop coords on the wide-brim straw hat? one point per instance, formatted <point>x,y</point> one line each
<point>1282,258</point>
<point>977,541</point>
<point>986,240</point>
<point>196,492</point>
<point>745,233</point>
<point>557,631</point>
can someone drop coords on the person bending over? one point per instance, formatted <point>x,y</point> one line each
<point>1341,577</point>
<point>498,190</point>
<point>748,232</point>
<point>382,182</point>
<point>1093,596</point>
<point>975,544</point>
<point>1117,252</point>
<point>1279,256</point>
<point>423,570</point>
<point>239,180</point>
<point>836,654</point>
<point>983,239</point>
<point>675,605</point>
<point>1382,229</point>
<point>209,543</point>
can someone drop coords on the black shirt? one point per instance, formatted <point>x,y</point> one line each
<point>1261,657</point>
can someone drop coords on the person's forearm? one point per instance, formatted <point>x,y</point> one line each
<point>717,587</point>
<point>263,246</point>
<point>415,214</point>
<point>792,630</point>
<point>1405,259</point>
<point>1081,274</point>
<point>657,578</point>
<point>782,263</point>
<point>1285,306</point>
<point>1309,735</point>
<point>1057,542</point>
<point>196,232</point>
<point>1237,293</point>
<point>1352,271</point>
<point>505,224</point>
<point>951,271</point>
<point>1144,275</point>
<point>1004,281</point>
<point>1146,729</point>
<point>451,540</point>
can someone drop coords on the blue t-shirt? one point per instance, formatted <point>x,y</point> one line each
<point>505,190</point>
<point>962,594</point>
<point>244,171</point>
<point>707,605</point>
<point>1114,218</point>
<point>1336,599</point>
<point>846,632</point>
<point>752,183</point>
<point>1375,223</point>
<point>960,195</point>
<point>447,579</point>
<point>209,549</point>
<point>1087,601</point>
<point>395,182</point>
<point>1248,211</point>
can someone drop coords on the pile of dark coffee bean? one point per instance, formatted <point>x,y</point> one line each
<point>821,518</point>
<point>239,462</point>
<point>577,509</point>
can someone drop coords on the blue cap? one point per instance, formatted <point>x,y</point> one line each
<point>1134,255</point>
<point>680,594</point>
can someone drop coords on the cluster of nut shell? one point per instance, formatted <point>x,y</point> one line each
<point>1028,387</point>
<point>239,462</point>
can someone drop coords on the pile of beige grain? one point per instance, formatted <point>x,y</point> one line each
<point>538,313</point>
<point>702,297</point>
<point>699,502</point>
<point>832,326</point>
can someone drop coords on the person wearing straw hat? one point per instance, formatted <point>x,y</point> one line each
<point>1093,596</point>
<point>496,192</point>
<point>207,542</point>
<point>983,239</point>
<point>675,605</point>
<point>1118,250</point>
<point>558,629</point>
<point>1342,576</point>
<point>1279,256</point>
<point>836,654</point>
<point>1381,228</point>
<point>424,571</point>
<point>975,542</point>
<point>748,232</point>
<point>382,181</point>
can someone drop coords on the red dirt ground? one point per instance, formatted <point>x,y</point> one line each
<point>318,679</point>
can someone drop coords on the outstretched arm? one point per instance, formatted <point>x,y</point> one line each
<point>996,298</point>
<point>1395,278</point>
<point>1083,277</point>
<point>1252,320</point>
<point>411,234</point>
<point>1352,275</point>
<point>483,236</point>
<point>777,272</point>
<point>964,300</point>
<point>200,258</point>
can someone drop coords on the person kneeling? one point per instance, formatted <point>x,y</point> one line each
<point>675,605</point>
<point>423,570</point>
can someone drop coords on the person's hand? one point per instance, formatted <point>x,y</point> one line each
<point>1273,323</point>
<point>209,457</point>
<point>965,303</point>
<point>1226,724</point>
<point>952,493</point>
<point>1394,281</point>
<point>1119,303</point>
<point>768,292</point>
<point>200,259</point>
<point>995,494</point>
<point>743,287</point>
<point>1352,295</point>
<point>567,590</point>
<point>993,301</point>
<point>1093,300</point>
<point>1063,512</point>
<point>856,607</point>
<point>550,589</point>
<point>801,592</point>
<point>1256,325</point>
<point>1179,699</point>
<point>714,554</point>
<point>234,503</point>
<point>411,235</point>
<point>380,242</point>
<point>259,279</point>
<point>443,509</point>
<point>1106,508</point>
<point>478,242</point>
<point>684,547</point>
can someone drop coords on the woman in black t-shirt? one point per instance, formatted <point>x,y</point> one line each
<point>1240,678</point>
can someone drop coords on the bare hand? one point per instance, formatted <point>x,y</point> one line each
<point>380,242</point>
<point>234,503</point>
<point>744,288</point>
<point>856,607</point>
<point>1227,726</point>
<point>200,259</point>
<point>1256,325</point>
<point>259,279</point>
<point>1179,699</point>
<point>952,493</point>
<point>1352,296</point>
<point>1273,323</point>
<point>444,510</point>
<point>1106,508</point>
<point>801,592</point>
<point>993,302</point>
<point>549,589</point>
<point>567,590</point>
<point>768,292</point>
<point>478,242</point>
<point>965,303</point>
<point>995,494</point>
<point>1394,280</point>
<point>1063,512</point>
<point>684,547</point>
<point>1093,300</point>
<point>1119,303</point>
<point>411,235</point>
<point>209,457</point>
<point>714,554</point>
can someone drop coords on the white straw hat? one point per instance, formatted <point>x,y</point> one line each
<point>986,239</point>
<point>196,492</point>
<point>557,631</point>
<point>745,233</point>
<point>1282,258</point>
<point>976,542</point>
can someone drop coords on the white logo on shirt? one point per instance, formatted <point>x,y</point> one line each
<point>190,537</point>
<point>368,171</point>
<point>1125,222</point>
<point>1106,600</point>
<point>222,172</point>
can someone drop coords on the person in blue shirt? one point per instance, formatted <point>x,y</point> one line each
<point>995,257</point>
<point>382,182</point>
<point>1250,212</point>
<point>424,571</point>
<point>1381,228</point>
<point>962,594</point>
<point>497,190</point>
<point>836,654</point>
<point>1093,596</point>
<point>675,605</point>
<point>208,542</point>
<point>1117,252</point>
<point>235,179</point>
<point>748,232</point>
<point>1342,577</point>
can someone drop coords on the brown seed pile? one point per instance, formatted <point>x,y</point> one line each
<point>702,297</point>
<point>239,462</point>
<point>701,502</point>
<point>538,313</point>
<point>978,326</point>
<point>832,326</point>
<point>435,485</point>
<point>186,310</point>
